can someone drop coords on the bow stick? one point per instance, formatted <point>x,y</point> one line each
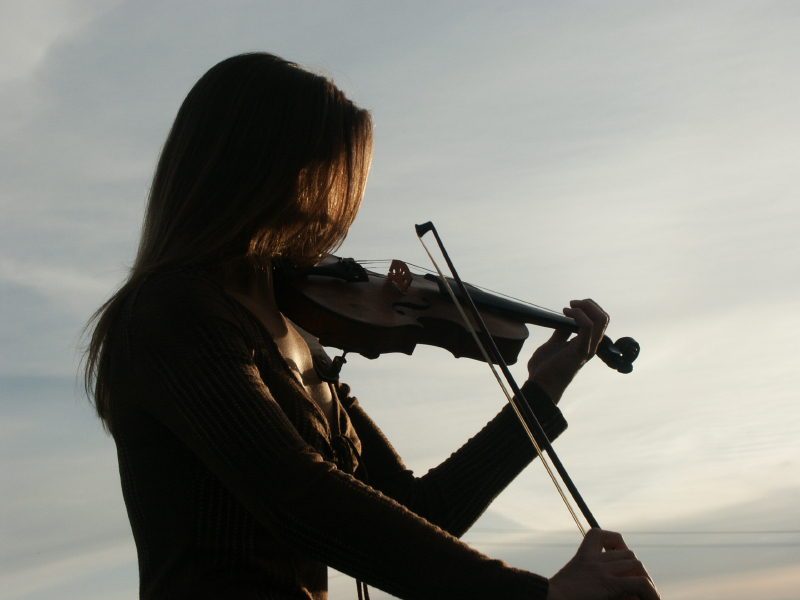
<point>521,408</point>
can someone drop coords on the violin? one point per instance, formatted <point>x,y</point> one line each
<point>356,310</point>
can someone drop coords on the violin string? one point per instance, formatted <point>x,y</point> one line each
<point>502,385</point>
<point>378,262</point>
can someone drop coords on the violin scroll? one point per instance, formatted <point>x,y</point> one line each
<point>620,354</point>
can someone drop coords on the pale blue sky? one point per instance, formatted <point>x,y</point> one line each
<point>643,154</point>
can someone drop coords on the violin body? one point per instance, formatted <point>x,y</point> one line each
<point>373,314</point>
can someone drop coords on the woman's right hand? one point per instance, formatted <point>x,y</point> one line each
<point>596,575</point>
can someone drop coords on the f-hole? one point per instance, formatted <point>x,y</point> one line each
<point>402,306</point>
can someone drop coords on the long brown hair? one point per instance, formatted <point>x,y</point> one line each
<point>265,161</point>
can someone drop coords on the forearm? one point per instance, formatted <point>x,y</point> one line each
<point>454,494</point>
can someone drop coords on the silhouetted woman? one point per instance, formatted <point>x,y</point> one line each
<point>244,474</point>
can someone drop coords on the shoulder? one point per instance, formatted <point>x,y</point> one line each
<point>175,304</point>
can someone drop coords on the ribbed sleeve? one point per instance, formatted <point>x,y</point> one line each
<point>454,494</point>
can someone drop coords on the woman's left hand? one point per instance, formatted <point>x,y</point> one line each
<point>556,362</point>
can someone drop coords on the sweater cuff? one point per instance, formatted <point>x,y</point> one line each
<point>532,586</point>
<point>547,413</point>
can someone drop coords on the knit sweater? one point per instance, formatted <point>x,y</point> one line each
<point>236,485</point>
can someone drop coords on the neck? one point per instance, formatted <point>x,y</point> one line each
<point>241,276</point>
<point>249,284</point>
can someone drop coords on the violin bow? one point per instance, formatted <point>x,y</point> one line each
<point>521,407</point>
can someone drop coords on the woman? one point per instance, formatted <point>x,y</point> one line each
<point>243,473</point>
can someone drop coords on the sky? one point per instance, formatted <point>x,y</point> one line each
<point>641,154</point>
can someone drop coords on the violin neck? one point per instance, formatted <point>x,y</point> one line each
<point>507,307</point>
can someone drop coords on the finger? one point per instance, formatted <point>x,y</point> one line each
<point>614,541</point>
<point>627,568</point>
<point>559,337</point>
<point>616,555</point>
<point>623,562</point>
<point>599,318</point>
<point>597,540</point>
<point>591,308</point>
<point>641,587</point>
<point>583,343</point>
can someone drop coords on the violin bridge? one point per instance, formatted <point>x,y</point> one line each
<point>400,275</point>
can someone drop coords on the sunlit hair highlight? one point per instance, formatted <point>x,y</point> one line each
<point>261,154</point>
